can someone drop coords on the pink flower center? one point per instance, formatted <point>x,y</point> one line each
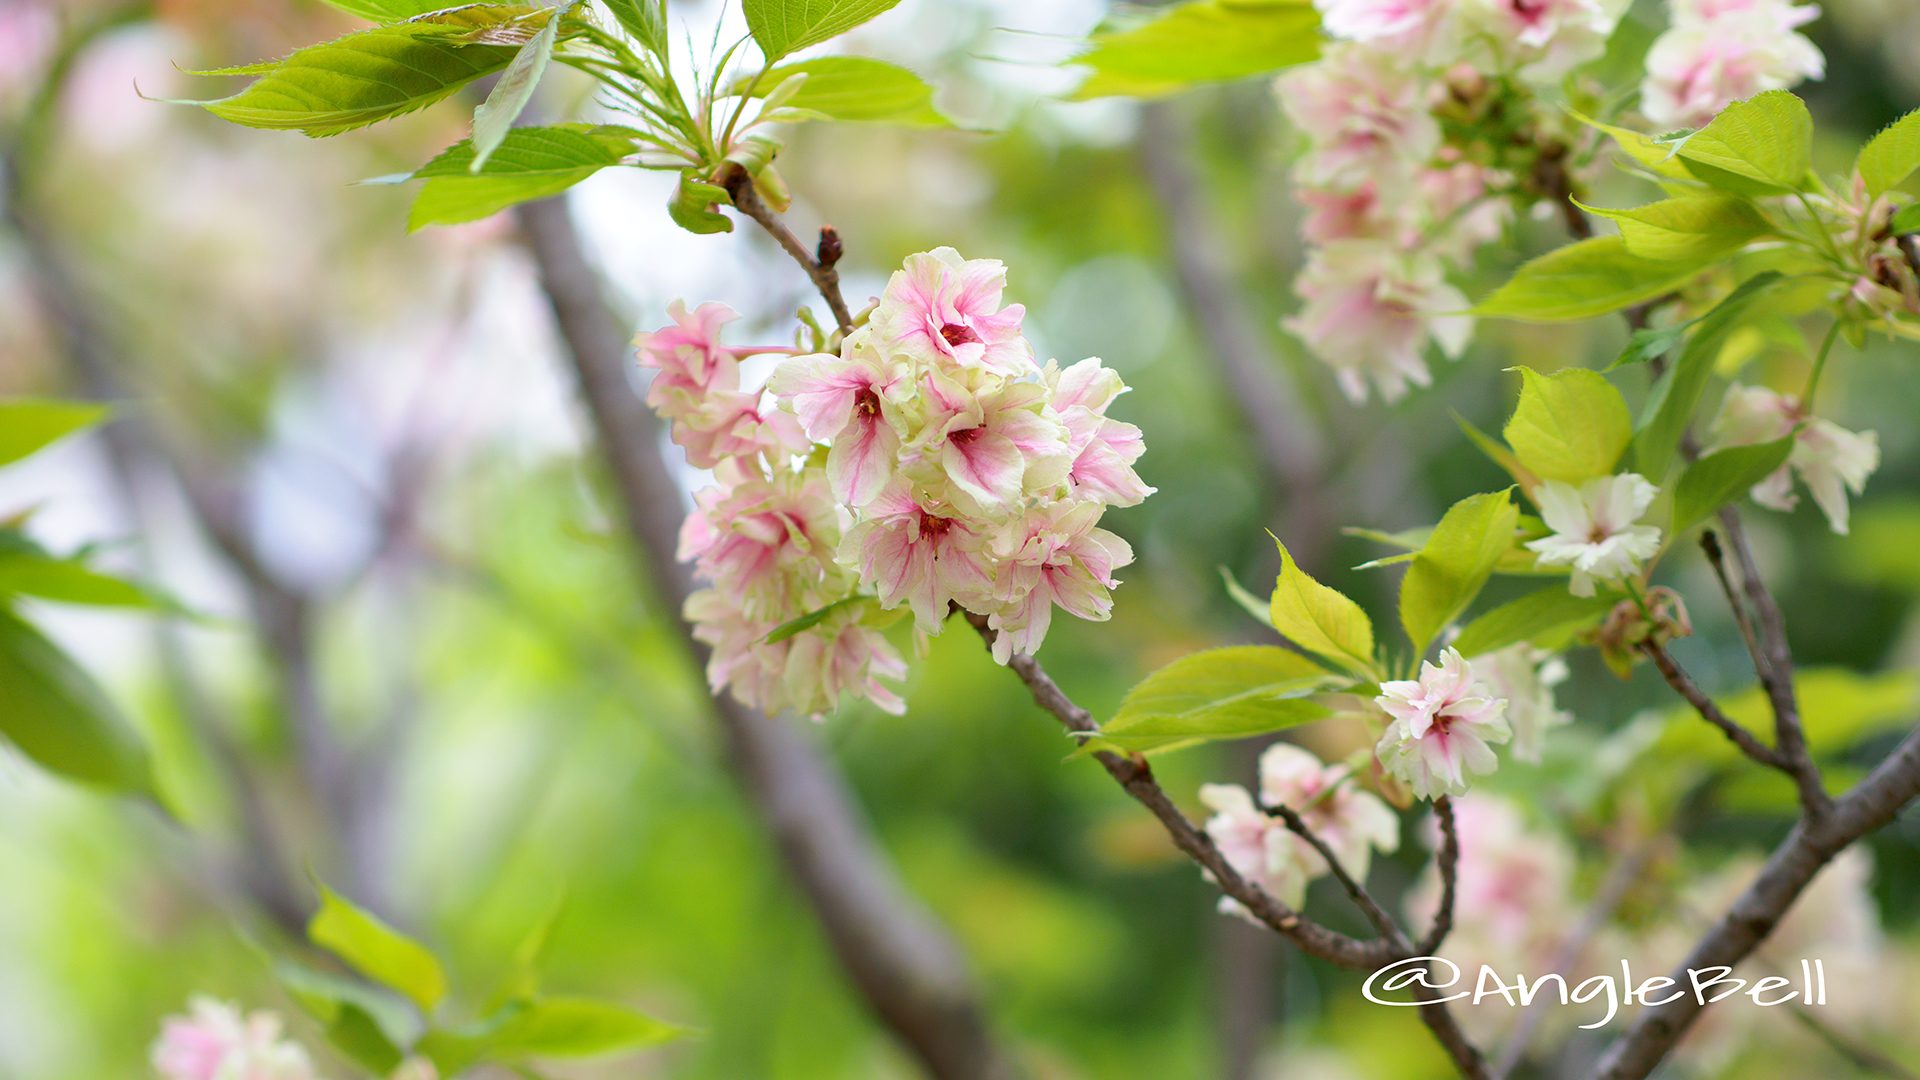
<point>957,335</point>
<point>866,402</point>
<point>934,528</point>
<point>965,435</point>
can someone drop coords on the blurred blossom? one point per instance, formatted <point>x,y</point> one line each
<point>214,1041</point>
<point>1720,51</point>
<point>1525,676</point>
<point>1828,459</point>
<point>1371,311</point>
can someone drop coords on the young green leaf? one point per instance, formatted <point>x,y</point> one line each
<point>56,715</point>
<point>1228,693</point>
<point>1645,345</point>
<point>28,425</point>
<point>693,202</point>
<point>1582,280</point>
<point>1569,426</point>
<point>1891,156</point>
<point>1197,42</point>
<point>29,572</point>
<point>1722,477</point>
<point>1688,229</point>
<point>389,11</point>
<point>1677,395</point>
<point>1656,156</point>
<point>530,163</point>
<point>1320,619</point>
<point>513,91</point>
<point>367,77</point>
<point>377,950</point>
<point>646,20</point>
<point>1548,619</point>
<point>1760,146</point>
<point>854,88</point>
<point>556,1027</point>
<point>1454,565</point>
<point>812,619</point>
<point>780,27</point>
<point>1907,219</point>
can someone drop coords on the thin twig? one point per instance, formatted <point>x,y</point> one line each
<point>819,263</point>
<point>1383,923</point>
<point>1448,862</point>
<point>1684,685</point>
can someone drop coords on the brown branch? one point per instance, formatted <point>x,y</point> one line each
<point>1684,685</point>
<point>897,956</point>
<point>820,264</point>
<point>1383,923</point>
<point>1448,861</point>
<point>1807,848</point>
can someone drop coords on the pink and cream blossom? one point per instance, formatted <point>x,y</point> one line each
<point>1364,114</point>
<point>1352,823</point>
<point>1056,557</point>
<point>215,1041</point>
<point>1828,459</point>
<point>852,405</point>
<point>942,309</point>
<point>1102,450</point>
<point>1371,311</point>
<point>1720,51</point>
<point>1442,728</point>
<point>920,553</point>
<point>1256,845</point>
<point>1595,530</point>
<point>1525,677</point>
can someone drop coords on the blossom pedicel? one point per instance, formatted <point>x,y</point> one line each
<point>929,462</point>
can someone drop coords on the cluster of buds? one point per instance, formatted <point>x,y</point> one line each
<point>928,463</point>
<point>1716,52</point>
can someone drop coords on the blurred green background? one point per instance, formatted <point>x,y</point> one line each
<point>387,420</point>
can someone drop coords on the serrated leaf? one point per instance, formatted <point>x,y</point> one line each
<point>1584,279</point>
<point>1890,156</point>
<point>781,27</point>
<point>1320,619</point>
<point>1656,156</point>
<point>53,712</point>
<point>854,88</point>
<point>390,11</point>
<point>1199,42</point>
<point>1760,146</point>
<point>376,950</point>
<point>1548,618</point>
<point>531,163</point>
<point>513,91</point>
<point>1455,563</point>
<point>1723,477</point>
<point>1229,693</point>
<point>1569,426</point>
<point>367,77</point>
<point>1670,410</point>
<point>1688,229</point>
<point>646,20</point>
<point>29,425</point>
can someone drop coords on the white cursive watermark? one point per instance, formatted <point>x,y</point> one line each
<point>1429,978</point>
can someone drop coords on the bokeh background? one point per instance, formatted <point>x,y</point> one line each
<point>356,454</point>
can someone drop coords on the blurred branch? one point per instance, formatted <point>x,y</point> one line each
<point>898,957</point>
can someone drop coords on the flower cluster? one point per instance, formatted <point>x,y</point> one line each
<point>929,462</point>
<point>1442,727</point>
<point>1411,120</point>
<point>1719,51</point>
<point>1829,459</point>
<point>1594,530</point>
<point>215,1041</point>
<point>1351,822</point>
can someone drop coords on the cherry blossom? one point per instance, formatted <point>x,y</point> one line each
<point>1829,459</point>
<point>852,404</point>
<point>1370,312</point>
<point>762,539</point>
<point>1102,450</point>
<point>940,308</point>
<point>1544,39</point>
<point>1352,823</point>
<point>1258,847</point>
<point>1594,530</point>
<point>1720,51</point>
<point>993,446</point>
<point>1365,114</point>
<point>922,554</point>
<point>1058,557</point>
<point>1398,23</point>
<point>215,1041</point>
<point>1442,728</point>
<point>1525,676</point>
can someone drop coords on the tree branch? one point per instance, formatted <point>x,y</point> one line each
<point>1684,685</point>
<point>820,264</point>
<point>898,958</point>
<point>1448,861</point>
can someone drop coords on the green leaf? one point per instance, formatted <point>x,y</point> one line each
<point>1569,426</point>
<point>27,572</point>
<point>1644,346</point>
<point>1677,395</point>
<point>359,1038</point>
<point>1722,477</point>
<point>693,202</point>
<point>558,1027</point>
<point>370,76</point>
<point>854,88</point>
<point>377,950</point>
<point>1907,220</point>
<point>1228,693</point>
<point>1496,452</point>
<point>1320,619</point>
<point>522,981</point>
<point>1656,156</point>
<point>28,425</point>
<point>1582,280</point>
<point>812,619</point>
<point>1454,565</point>
<point>646,20</point>
<point>780,27</point>
<point>1891,156</point>
<point>56,715</point>
<point>1838,707</point>
<point>513,91</point>
<point>531,163</point>
<point>1198,42</point>
<point>389,11</point>
<point>1688,229</point>
<point>1760,146</point>
<point>1548,618</point>
<point>1244,599</point>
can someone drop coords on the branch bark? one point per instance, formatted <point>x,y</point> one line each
<point>897,956</point>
